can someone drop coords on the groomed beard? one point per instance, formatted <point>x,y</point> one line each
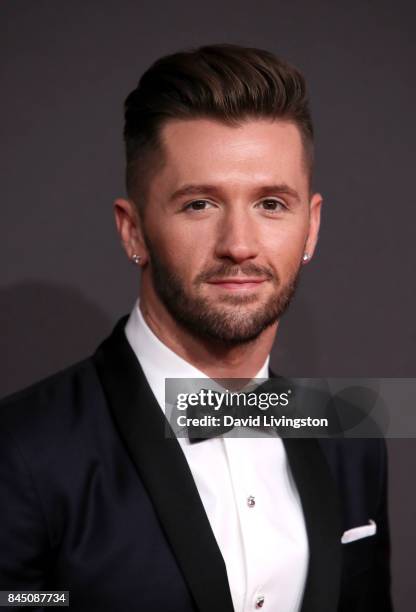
<point>231,326</point>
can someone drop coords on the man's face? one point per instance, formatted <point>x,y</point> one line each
<point>226,223</point>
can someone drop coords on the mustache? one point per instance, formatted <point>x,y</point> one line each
<point>225,270</point>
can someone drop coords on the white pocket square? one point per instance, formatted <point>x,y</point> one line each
<point>357,533</point>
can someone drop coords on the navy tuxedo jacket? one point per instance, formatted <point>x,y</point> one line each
<point>95,500</point>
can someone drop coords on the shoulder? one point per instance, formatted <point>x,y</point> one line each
<point>49,406</point>
<point>50,437</point>
<point>53,435</point>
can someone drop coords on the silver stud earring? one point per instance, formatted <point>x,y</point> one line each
<point>136,259</point>
<point>305,257</point>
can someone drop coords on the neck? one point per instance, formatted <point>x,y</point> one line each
<point>214,358</point>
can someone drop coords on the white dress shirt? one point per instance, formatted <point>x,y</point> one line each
<point>247,490</point>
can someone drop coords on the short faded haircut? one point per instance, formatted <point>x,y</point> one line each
<point>225,82</point>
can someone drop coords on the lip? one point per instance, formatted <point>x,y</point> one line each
<point>237,279</point>
<point>238,283</point>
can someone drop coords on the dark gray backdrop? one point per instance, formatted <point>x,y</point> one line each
<point>65,70</point>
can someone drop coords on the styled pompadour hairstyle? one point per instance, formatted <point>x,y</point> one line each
<point>225,82</point>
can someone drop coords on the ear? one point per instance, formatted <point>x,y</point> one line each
<point>129,227</point>
<point>315,206</point>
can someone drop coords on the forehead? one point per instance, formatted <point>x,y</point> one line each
<point>256,150</point>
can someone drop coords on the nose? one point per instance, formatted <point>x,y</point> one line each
<point>236,238</point>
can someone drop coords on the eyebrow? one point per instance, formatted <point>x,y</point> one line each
<point>264,190</point>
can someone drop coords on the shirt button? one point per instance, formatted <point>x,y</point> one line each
<point>259,602</point>
<point>251,501</point>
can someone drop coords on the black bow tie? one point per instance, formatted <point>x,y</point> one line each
<point>203,422</point>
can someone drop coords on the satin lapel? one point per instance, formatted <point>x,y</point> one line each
<point>322,517</point>
<point>164,471</point>
<point>322,512</point>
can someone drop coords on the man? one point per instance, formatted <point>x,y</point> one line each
<point>220,218</point>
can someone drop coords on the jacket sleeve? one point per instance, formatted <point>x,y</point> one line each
<point>382,582</point>
<point>24,541</point>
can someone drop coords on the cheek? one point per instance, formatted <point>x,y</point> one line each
<point>286,241</point>
<point>181,250</point>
